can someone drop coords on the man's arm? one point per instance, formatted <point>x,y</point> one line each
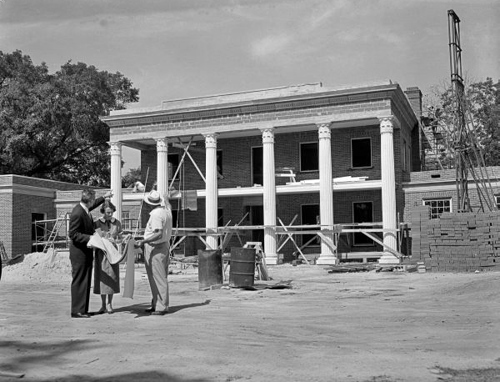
<point>101,200</point>
<point>157,234</point>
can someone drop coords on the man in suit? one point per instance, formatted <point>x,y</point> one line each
<point>81,228</point>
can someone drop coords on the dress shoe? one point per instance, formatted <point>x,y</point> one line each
<point>101,311</point>
<point>161,313</point>
<point>80,315</point>
<point>150,310</point>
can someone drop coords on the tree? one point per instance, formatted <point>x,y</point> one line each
<point>482,106</point>
<point>49,123</point>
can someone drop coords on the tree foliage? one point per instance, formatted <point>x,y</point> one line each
<point>482,109</point>
<point>49,123</point>
<point>133,175</point>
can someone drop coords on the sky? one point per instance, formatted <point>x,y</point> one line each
<point>174,49</point>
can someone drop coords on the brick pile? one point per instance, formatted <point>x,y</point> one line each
<point>457,242</point>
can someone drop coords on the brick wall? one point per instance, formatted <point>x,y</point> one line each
<point>460,242</point>
<point>237,154</point>
<point>21,219</point>
<point>441,184</point>
<point>24,196</point>
<point>237,172</point>
<point>6,227</point>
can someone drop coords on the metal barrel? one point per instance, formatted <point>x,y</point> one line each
<point>209,268</point>
<point>242,270</point>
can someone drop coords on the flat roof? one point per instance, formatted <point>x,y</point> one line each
<point>248,96</point>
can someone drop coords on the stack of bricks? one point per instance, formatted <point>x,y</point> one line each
<point>456,242</point>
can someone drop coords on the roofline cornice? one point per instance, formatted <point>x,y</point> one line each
<point>317,99</point>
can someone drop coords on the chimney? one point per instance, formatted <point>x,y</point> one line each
<point>414,95</point>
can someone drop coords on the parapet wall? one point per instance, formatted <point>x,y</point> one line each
<point>457,242</point>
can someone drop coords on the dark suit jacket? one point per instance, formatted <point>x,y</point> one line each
<point>81,228</point>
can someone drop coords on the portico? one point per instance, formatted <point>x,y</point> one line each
<point>278,118</point>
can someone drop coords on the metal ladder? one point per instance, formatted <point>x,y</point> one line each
<point>54,232</point>
<point>3,254</point>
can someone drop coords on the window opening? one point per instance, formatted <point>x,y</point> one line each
<point>126,221</point>
<point>309,157</point>
<point>257,166</point>
<point>257,218</point>
<point>38,231</point>
<point>361,151</point>
<point>173,164</point>
<point>438,206</point>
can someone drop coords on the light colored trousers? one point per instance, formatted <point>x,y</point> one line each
<point>156,262</point>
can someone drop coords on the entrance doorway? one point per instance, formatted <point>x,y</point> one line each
<point>362,213</point>
<point>257,218</point>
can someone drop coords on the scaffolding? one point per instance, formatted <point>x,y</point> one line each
<point>51,233</point>
<point>54,233</point>
<point>469,159</point>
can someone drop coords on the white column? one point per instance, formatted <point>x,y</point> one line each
<point>388,188</point>
<point>116,177</point>
<point>327,255</point>
<point>269,197</point>
<point>162,166</point>
<point>211,216</point>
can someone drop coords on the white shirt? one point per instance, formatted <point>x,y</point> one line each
<point>159,219</point>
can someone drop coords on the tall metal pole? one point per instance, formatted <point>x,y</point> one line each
<point>461,145</point>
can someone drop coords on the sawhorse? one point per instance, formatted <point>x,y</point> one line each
<point>260,259</point>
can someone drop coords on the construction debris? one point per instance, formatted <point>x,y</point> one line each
<point>287,284</point>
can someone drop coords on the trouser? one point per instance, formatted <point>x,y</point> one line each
<point>156,261</point>
<point>81,270</point>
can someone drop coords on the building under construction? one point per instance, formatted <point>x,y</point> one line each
<point>318,174</point>
<point>314,165</point>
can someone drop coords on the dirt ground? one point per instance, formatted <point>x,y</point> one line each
<point>363,326</point>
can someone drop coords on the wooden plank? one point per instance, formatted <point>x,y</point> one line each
<point>388,249</point>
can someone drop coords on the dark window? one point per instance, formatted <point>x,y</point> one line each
<point>257,218</point>
<point>309,156</point>
<point>362,213</point>
<point>175,218</point>
<point>310,215</point>
<point>361,150</point>
<point>220,217</point>
<point>37,230</point>
<point>173,164</point>
<point>38,233</point>
<point>257,166</point>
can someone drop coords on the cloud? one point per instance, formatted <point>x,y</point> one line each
<point>296,30</point>
<point>270,45</point>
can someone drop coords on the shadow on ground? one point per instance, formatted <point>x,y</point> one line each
<point>490,374</point>
<point>19,356</point>
<point>140,309</point>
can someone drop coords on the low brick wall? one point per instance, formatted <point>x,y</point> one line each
<point>457,242</point>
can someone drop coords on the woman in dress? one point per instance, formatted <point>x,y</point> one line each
<point>107,275</point>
